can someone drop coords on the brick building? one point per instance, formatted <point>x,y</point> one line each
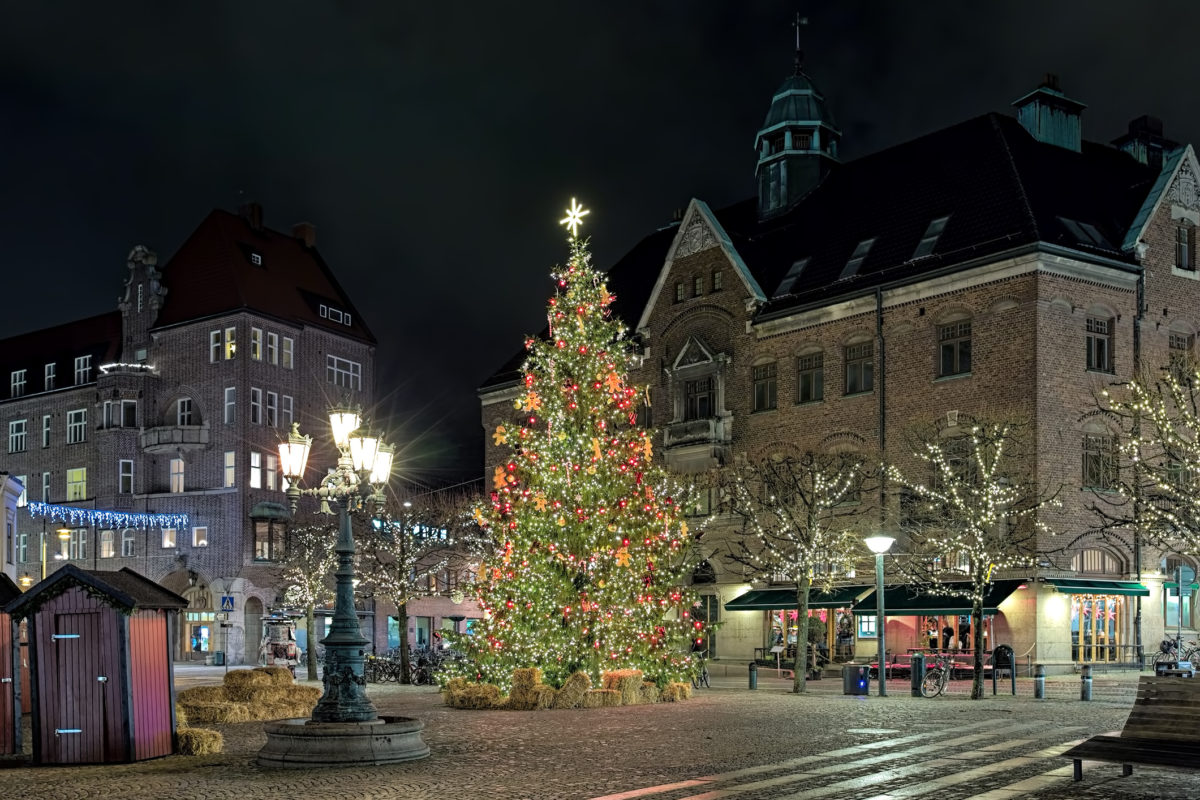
<point>1000,266</point>
<point>174,403</point>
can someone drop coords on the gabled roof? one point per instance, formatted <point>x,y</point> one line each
<point>9,591</point>
<point>213,273</point>
<point>125,589</point>
<point>1155,198</point>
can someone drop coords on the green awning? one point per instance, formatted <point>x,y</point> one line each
<point>770,599</point>
<point>1174,585</point>
<point>269,510</point>
<point>908,601</point>
<point>1082,586</point>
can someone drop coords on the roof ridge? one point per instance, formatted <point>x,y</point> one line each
<point>1016,174</point>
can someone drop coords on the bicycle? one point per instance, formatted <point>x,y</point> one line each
<point>1174,650</point>
<point>700,677</point>
<point>937,677</point>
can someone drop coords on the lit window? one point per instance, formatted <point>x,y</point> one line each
<point>230,405</point>
<point>269,540</point>
<point>176,475</point>
<point>255,470</point>
<point>860,368</point>
<point>256,344</point>
<point>811,378</point>
<point>342,372</point>
<point>17,383</point>
<point>230,343</point>
<point>200,537</point>
<point>77,484</point>
<point>272,471</point>
<point>48,376</point>
<point>76,426</point>
<point>107,548</point>
<point>125,473</point>
<point>1099,344</point>
<point>127,543</point>
<point>230,468</point>
<point>765,387</point>
<point>954,348</point>
<point>16,436</point>
<point>83,370</point>
<point>168,537</point>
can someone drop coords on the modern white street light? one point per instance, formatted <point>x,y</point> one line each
<point>363,470</point>
<point>880,545</point>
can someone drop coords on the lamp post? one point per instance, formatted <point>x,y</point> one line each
<point>363,468</point>
<point>879,545</point>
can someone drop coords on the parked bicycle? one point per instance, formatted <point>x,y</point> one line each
<point>937,677</point>
<point>700,676</point>
<point>1174,650</point>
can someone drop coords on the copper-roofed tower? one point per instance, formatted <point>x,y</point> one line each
<point>798,142</point>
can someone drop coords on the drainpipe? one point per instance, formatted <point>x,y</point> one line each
<point>881,380</point>
<point>1138,317</point>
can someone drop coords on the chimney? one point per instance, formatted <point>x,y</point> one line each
<point>306,232</point>
<point>1145,141</point>
<point>1050,116</point>
<point>252,213</point>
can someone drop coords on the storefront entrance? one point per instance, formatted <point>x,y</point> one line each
<point>1097,622</point>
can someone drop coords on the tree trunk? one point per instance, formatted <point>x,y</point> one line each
<point>402,622</point>
<point>800,674</point>
<point>310,652</point>
<point>977,645</point>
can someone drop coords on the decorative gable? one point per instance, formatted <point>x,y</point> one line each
<point>1183,191</point>
<point>693,352</point>
<point>697,237</point>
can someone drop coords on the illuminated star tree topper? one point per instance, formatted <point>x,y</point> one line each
<point>574,218</point>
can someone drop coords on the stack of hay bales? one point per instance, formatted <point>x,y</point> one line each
<point>195,741</point>
<point>675,692</point>
<point>628,682</point>
<point>263,693</point>
<point>619,688</point>
<point>572,692</point>
<point>460,693</point>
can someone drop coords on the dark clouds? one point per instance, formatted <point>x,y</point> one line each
<point>434,145</point>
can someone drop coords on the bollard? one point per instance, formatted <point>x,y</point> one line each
<point>1039,682</point>
<point>1085,683</point>
<point>753,675</point>
<point>918,673</point>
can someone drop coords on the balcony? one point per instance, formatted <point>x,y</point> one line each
<point>172,438</point>
<point>696,445</point>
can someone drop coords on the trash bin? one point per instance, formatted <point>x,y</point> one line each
<point>218,658</point>
<point>918,673</point>
<point>856,679</point>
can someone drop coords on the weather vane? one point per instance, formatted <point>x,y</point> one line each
<point>574,217</point>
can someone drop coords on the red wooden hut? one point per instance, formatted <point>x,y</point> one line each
<point>10,672</point>
<point>100,656</point>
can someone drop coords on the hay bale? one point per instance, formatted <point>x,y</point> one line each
<point>601,698</point>
<point>244,684</point>
<point>200,742</point>
<point>526,678</point>
<point>572,691</point>
<point>675,692</point>
<point>455,685</point>
<point>281,676</point>
<point>474,696</point>
<point>218,713</point>
<point>649,692</point>
<point>543,696</point>
<point>202,694</point>
<point>181,719</point>
<point>626,681</point>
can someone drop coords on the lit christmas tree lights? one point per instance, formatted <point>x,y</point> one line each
<point>590,556</point>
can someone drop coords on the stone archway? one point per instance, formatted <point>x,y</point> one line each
<point>254,614</point>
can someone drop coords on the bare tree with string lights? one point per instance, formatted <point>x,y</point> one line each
<point>970,507</point>
<point>308,578</point>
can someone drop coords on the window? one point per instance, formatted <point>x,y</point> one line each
<point>679,292</point>
<point>23,500</point>
<point>866,626</point>
<point>273,348</point>
<point>698,286</point>
<point>77,548</point>
<point>200,537</point>
<point>811,378</point>
<point>16,436</point>
<point>1179,601</point>
<point>23,548</point>
<point>45,487</point>
<point>1099,344</point>
<point>45,430</point>
<point>183,411</point>
<point>286,360</point>
<point>698,398</point>
<point>286,416</point>
<point>1185,247</point>
<point>256,406</point>
<point>108,548</point>
<point>774,187</point>
<point>256,344</point>
<point>214,346</point>
<point>269,540</point>
<point>793,275</point>
<point>343,373</point>
<point>127,540</point>
<point>76,426</point>
<point>273,409</point>
<point>83,370</point>
<point>141,297</point>
<point>929,239</point>
<point>1096,562</point>
<point>1179,349</point>
<point>120,413</point>
<point>230,468</point>
<point>856,259</point>
<point>256,259</point>
<point>860,368</point>
<point>272,471</point>
<point>176,475</point>
<point>168,537</point>
<point>230,343</point>
<point>125,472</point>
<point>801,141</point>
<point>17,383</point>
<point>954,348</point>
<point>230,405</point>
<point>255,470</point>
<point>764,387</point>
<point>958,463</point>
<point>48,377</point>
<point>717,280</point>
<point>1099,461</point>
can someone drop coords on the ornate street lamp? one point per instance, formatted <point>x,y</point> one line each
<point>363,470</point>
<point>879,545</point>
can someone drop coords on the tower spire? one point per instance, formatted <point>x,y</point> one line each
<point>799,62</point>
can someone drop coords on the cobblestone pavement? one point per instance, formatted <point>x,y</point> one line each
<point>725,742</point>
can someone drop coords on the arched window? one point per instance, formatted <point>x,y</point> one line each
<point>1094,561</point>
<point>1099,458</point>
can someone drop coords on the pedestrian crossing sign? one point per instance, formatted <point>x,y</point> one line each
<point>227,602</point>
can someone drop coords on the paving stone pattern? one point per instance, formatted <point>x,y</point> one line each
<point>726,742</point>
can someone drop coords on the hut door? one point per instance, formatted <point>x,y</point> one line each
<point>7,687</point>
<point>76,735</point>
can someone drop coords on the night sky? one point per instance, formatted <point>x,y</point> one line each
<point>434,145</point>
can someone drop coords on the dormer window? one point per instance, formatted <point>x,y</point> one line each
<point>48,376</point>
<point>17,383</point>
<point>333,314</point>
<point>793,275</point>
<point>930,238</point>
<point>83,370</point>
<point>256,259</point>
<point>856,259</point>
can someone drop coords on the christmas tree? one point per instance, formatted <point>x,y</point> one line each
<point>590,555</point>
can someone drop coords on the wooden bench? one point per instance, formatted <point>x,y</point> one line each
<point>1161,729</point>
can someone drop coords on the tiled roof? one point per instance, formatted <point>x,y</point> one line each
<point>99,337</point>
<point>213,273</point>
<point>125,588</point>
